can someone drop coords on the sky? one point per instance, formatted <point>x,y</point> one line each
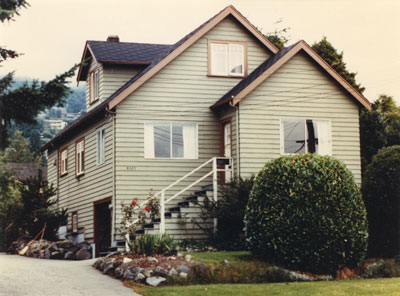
<point>52,33</point>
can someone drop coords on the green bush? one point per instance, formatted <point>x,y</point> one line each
<point>381,192</point>
<point>150,244</point>
<point>229,211</point>
<point>306,212</point>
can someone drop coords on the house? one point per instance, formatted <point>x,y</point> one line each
<point>157,112</point>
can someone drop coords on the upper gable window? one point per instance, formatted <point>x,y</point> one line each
<point>80,157</point>
<point>94,86</point>
<point>306,136</point>
<point>227,58</point>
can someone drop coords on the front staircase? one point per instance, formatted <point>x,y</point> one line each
<point>182,219</point>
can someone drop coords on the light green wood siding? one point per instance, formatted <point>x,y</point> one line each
<point>111,78</point>
<point>181,92</point>
<point>299,89</point>
<point>52,166</point>
<point>78,194</point>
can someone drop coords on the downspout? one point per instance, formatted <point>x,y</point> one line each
<point>114,198</point>
<point>237,137</point>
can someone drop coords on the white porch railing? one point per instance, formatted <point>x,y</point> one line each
<point>225,162</point>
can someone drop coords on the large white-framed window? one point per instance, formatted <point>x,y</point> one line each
<point>302,135</point>
<point>170,140</point>
<point>64,161</point>
<point>80,157</point>
<point>227,58</point>
<point>101,145</point>
<point>94,86</point>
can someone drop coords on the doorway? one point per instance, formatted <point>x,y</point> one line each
<point>226,147</point>
<point>102,226</point>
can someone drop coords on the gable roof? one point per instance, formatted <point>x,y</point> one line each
<point>176,49</point>
<point>270,66</point>
<point>130,53</point>
<point>158,63</point>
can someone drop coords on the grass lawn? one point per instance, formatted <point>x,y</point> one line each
<point>217,257</point>
<point>371,287</point>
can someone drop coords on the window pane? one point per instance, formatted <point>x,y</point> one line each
<point>219,59</point>
<point>236,59</point>
<point>294,136</point>
<point>177,140</point>
<point>312,136</point>
<point>162,141</point>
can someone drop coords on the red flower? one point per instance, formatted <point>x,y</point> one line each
<point>147,208</point>
<point>134,202</point>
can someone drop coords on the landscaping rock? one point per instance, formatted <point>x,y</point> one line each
<point>83,254</point>
<point>183,274</point>
<point>54,247</point>
<point>179,255</point>
<point>161,271</point>
<point>129,276</point>
<point>66,244</point>
<point>69,255</point>
<point>127,260</point>
<point>188,258</point>
<point>108,267</point>
<point>45,254</point>
<point>56,255</point>
<point>182,268</point>
<point>119,272</point>
<point>147,272</point>
<point>152,259</point>
<point>155,281</point>
<point>172,272</point>
<point>85,245</point>
<point>140,278</point>
<point>112,254</point>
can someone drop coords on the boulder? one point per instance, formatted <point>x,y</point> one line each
<point>45,254</point>
<point>155,281</point>
<point>188,258</point>
<point>83,254</point>
<point>108,267</point>
<point>147,272</point>
<point>172,272</point>
<point>53,247</point>
<point>183,274</point>
<point>69,255</point>
<point>126,260</point>
<point>85,245</point>
<point>152,259</point>
<point>66,244</point>
<point>119,272</point>
<point>182,268</point>
<point>140,278</point>
<point>161,271</point>
<point>56,255</point>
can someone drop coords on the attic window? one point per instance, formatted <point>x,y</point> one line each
<point>94,86</point>
<point>227,58</point>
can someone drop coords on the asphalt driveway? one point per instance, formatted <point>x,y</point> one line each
<point>21,276</point>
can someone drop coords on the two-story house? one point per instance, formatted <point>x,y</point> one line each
<point>157,112</point>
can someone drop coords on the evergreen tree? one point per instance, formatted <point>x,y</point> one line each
<point>22,104</point>
<point>18,151</point>
<point>335,59</point>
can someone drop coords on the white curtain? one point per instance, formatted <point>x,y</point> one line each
<point>324,137</point>
<point>148,140</point>
<point>236,59</point>
<point>189,141</point>
<point>219,59</point>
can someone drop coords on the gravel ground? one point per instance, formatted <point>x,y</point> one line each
<point>21,276</point>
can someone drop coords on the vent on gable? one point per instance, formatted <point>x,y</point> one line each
<point>113,38</point>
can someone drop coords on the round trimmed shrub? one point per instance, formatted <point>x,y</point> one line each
<point>381,192</point>
<point>306,212</point>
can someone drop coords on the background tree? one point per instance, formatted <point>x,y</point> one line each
<point>22,104</point>
<point>18,151</point>
<point>335,59</point>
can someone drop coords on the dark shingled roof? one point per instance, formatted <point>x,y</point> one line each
<point>252,76</point>
<point>25,170</point>
<point>126,51</point>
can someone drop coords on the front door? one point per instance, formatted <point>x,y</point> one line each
<point>102,226</point>
<point>227,149</point>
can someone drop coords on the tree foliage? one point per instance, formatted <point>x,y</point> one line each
<point>306,212</point>
<point>381,192</point>
<point>22,104</point>
<point>18,151</point>
<point>335,59</point>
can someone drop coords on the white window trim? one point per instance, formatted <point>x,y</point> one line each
<point>196,152</point>
<point>100,150</point>
<point>64,162</point>
<point>94,86</point>
<point>282,137</point>
<point>74,222</point>
<point>227,42</point>
<point>79,164</point>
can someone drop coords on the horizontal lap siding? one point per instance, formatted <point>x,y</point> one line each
<point>97,183</point>
<point>298,89</point>
<point>52,168</point>
<point>181,92</point>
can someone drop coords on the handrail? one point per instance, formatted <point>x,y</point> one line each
<point>213,172</point>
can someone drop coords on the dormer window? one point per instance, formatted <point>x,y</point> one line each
<point>94,86</point>
<point>227,58</point>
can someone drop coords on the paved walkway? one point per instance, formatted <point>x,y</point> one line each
<point>22,276</point>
